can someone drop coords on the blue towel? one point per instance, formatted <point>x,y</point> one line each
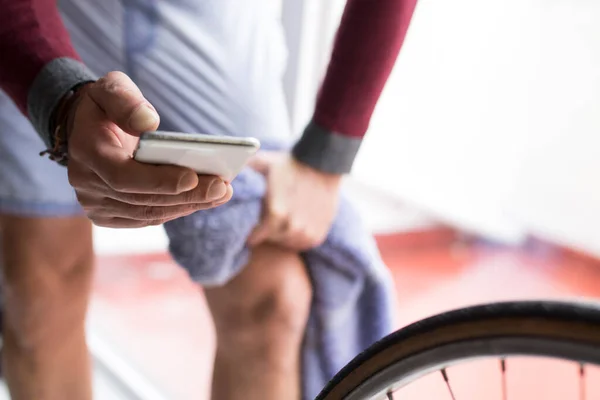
<point>353,296</point>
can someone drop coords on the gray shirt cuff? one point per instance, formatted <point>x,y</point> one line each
<point>49,87</point>
<point>326,151</point>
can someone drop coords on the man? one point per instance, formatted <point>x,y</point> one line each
<point>205,65</point>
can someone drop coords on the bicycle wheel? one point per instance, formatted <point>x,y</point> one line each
<point>563,330</point>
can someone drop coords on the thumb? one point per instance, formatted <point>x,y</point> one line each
<point>123,103</point>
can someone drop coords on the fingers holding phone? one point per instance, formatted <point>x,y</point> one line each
<point>126,206</point>
<point>113,188</point>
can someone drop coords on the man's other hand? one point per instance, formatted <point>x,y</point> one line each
<point>300,202</point>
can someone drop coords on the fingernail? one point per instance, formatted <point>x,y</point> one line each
<point>143,118</point>
<point>187,182</point>
<point>216,190</point>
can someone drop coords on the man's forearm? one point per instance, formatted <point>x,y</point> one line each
<point>366,47</point>
<point>38,64</point>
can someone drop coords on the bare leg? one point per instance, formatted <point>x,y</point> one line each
<point>47,265</point>
<point>260,318</point>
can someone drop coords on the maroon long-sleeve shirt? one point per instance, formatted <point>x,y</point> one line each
<point>38,66</point>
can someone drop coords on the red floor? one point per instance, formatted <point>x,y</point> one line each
<point>148,309</point>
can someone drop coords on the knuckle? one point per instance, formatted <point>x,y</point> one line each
<point>112,81</point>
<point>153,199</point>
<point>194,196</point>
<point>113,84</point>
<point>316,239</point>
<point>295,228</point>
<point>105,85</point>
<point>150,213</point>
<point>278,212</point>
<point>303,241</point>
<point>100,83</point>
<point>143,199</point>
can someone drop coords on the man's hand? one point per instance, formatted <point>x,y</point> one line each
<point>300,203</point>
<point>113,188</point>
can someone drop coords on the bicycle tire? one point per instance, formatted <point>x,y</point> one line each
<point>565,330</point>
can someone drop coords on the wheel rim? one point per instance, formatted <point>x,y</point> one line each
<point>414,367</point>
<point>551,329</point>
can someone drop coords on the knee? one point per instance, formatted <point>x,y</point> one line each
<point>269,310</point>
<point>47,265</point>
<point>281,311</point>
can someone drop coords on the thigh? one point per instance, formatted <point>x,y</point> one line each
<point>47,267</point>
<point>46,251</point>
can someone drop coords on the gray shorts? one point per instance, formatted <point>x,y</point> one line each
<point>208,66</point>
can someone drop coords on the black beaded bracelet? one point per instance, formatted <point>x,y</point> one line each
<point>60,123</point>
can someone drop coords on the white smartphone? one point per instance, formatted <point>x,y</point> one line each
<point>222,156</point>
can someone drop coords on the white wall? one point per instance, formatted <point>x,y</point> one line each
<point>557,189</point>
<point>491,118</point>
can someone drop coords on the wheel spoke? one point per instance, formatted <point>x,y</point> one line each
<point>582,393</point>
<point>503,369</point>
<point>445,376</point>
